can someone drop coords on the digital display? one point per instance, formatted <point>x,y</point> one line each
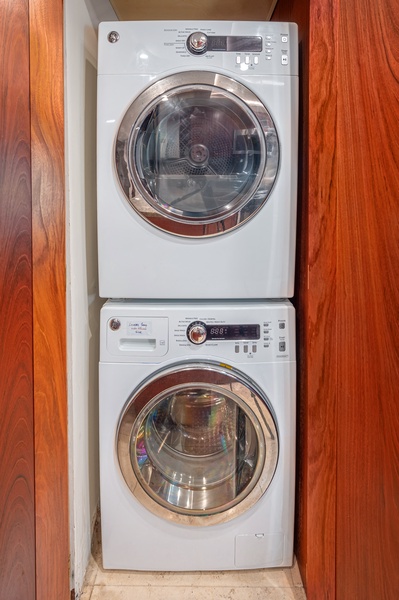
<point>244,44</point>
<point>233,332</point>
<point>218,43</point>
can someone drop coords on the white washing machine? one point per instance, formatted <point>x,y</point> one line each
<point>197,159</point>
<point>197,435</point>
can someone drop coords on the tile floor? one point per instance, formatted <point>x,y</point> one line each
<point>263,584</point>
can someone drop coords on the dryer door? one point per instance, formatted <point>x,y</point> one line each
<point>197,154</point>
<point>197,443</point>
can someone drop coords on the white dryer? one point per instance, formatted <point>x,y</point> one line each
<point>197,159</point>
<point>197,435</point>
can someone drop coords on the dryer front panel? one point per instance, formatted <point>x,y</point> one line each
<point>197,154</point>
<point>197,443</point>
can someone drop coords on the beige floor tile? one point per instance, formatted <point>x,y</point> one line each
<point>91,571</point>
<point>110,592</point>
<point>295,575</point>
<point>86,593</point>
<point>256,578</point>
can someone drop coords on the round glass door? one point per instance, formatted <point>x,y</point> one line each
<point>197,154</point>
<point>197,444</point>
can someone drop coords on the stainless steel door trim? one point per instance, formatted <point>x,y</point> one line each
<point>238,209</point>
<point>238,389</point>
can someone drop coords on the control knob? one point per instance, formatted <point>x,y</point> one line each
<point>196,332</point>
<point>197,42</point>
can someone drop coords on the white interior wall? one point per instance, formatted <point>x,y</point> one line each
<point>81,18</point>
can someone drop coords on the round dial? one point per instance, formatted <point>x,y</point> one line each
<point>196,332</point>
<point>197,42</point>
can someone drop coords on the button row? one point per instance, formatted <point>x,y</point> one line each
<point>246,59</point>
<point>266,335</point>
<point>246,348</point>
<point>255,59</point>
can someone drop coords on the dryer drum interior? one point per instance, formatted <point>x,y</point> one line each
<point>197,149</point>
<point>198,445</point>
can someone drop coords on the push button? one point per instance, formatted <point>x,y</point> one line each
<point>281,346</point>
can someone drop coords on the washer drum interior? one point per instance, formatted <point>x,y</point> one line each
<point>197,444</point>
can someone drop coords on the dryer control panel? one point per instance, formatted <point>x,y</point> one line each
<point>153,47</point>
<point>199,43</point>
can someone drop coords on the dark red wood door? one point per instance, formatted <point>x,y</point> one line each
<point>17,503</point>
<point>368,302</point>
<point>34,524</point>
<point>348,298</point>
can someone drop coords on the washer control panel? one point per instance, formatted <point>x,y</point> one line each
<point>199,332</point>
<point>257,335</point>
<point>243,339</point>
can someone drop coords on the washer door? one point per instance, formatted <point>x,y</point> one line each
<point>197,154</point>
<point>197,443</point>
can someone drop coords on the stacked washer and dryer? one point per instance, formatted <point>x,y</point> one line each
<point>197,180</point>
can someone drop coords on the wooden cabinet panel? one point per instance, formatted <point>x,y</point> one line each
<point>34,526</point>
<point>315,297</point>
<point>17,522</point>
<point>49,293</point>
<point>368,302</point>
<point>348,299</point>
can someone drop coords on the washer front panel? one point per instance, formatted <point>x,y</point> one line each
<point>197,444</point>
<point>152,379</point>
<point>197,154</point>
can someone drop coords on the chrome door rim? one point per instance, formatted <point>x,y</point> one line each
<point>152,209</point>
<point>234,385</point>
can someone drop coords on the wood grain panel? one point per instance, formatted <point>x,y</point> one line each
<point>349,367</point>
<point>52,536</point>
<point>321,342</point>
<point>315,297</point>
<point>17,524</point>
<point>368,255</point>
